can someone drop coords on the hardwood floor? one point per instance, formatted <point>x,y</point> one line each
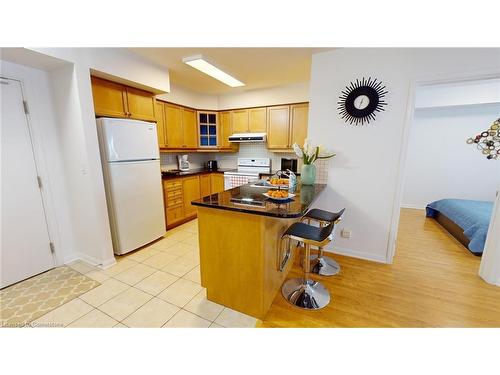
<point>433,282</point>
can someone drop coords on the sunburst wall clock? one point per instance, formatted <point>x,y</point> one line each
<point>360,101</point>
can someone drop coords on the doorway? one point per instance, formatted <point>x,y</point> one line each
<point>441,161</point>
<point>26,248</point>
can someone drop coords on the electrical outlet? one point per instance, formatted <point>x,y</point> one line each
<point>346,233</point>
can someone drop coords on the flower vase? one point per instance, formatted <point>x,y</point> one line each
<point>308,174</point>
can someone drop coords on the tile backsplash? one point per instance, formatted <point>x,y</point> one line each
<point>247,150</point>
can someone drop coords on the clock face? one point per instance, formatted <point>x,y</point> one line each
<point>361,101</point>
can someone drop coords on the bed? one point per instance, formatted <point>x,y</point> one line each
<point>466,220</point>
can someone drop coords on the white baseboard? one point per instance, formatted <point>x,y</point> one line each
<point>415,207</point>
<point>108,263</point>
<point>70,258</point>
<point>358,254</point>
<point>90,260</point>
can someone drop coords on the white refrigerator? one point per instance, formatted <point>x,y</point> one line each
<point>131,166</point>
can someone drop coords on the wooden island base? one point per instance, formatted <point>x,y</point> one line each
<point>239,259</point>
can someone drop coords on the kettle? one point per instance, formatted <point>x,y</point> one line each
<point>212,165</point>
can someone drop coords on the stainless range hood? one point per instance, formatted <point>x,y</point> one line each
<point>247,137</point>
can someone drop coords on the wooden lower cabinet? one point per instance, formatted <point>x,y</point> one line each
<point>190,192</point>
<point>174,208</point>
<point>216,183</point>
<point>205,185</point>
<point>179,192</point>
<point>174,215</point>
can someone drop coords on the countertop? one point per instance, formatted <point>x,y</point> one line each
<point>257,204</point>
<point>192,172</point>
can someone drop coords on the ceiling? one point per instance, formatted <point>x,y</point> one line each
<point>256,67</point>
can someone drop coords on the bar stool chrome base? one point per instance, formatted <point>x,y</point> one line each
<point>324,266</point>
<point>309,295</point>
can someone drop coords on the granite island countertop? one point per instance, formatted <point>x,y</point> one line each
<point>249,199</point>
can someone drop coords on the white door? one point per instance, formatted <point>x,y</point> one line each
<point>25,240</point>
<point>124,139</point>
<point>136,210</point>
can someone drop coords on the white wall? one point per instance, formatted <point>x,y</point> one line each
<point>440,164</point>
<point>120,64</point>
<point>365,176</point>
<point>293,93</point>
<point>80,153</point>
<point>189,98</point>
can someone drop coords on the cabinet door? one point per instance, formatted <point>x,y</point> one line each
<point>141,104</point>
<point>109,98</point>
<point>190,128</point>
<point>257,120</point>
<point>191,191</point>
<point>278,127</point>
<point>174,215</point>
<point>216,182</point>
<point>204,185</point>
<point>225,129</point>
<point>173,125</point>
<point>240,120</point>
<point>160,124</point>
<point>298,119</point>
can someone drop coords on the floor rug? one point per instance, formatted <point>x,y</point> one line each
<point>28,300</point>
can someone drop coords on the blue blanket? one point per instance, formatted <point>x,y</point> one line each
<point>472,216</point>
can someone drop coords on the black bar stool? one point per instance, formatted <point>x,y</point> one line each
<point>323,265</point>
<point>305,292</point>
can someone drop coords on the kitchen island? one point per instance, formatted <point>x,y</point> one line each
<point>239,237</point>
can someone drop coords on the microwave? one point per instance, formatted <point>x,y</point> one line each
<point>289,163</point>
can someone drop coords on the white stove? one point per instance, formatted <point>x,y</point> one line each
<point>248,170</point>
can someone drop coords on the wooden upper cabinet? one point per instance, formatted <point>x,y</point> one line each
<point>160,124</point>
<point>298,123</point>
<point>109,98</point>
<point>257,120</point>
<point>190,128</point>
<point>191,191</point>
<point>239,119</point>
<point>141,104</point>
<point>173,126</point>
<point>204,185</point>
<point>225,129</point>
<point>278,127</point>
<point>116,100</point>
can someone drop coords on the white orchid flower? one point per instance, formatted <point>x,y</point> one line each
<point>298,151</point>
<point>306,146</point>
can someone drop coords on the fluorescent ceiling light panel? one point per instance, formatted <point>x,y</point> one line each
<point>204,66</point>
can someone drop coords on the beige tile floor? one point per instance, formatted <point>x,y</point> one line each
<point>156,286</point>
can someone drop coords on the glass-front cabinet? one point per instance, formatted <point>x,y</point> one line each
<point>207,128</point>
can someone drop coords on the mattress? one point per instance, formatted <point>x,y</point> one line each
<point>472,216</point>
